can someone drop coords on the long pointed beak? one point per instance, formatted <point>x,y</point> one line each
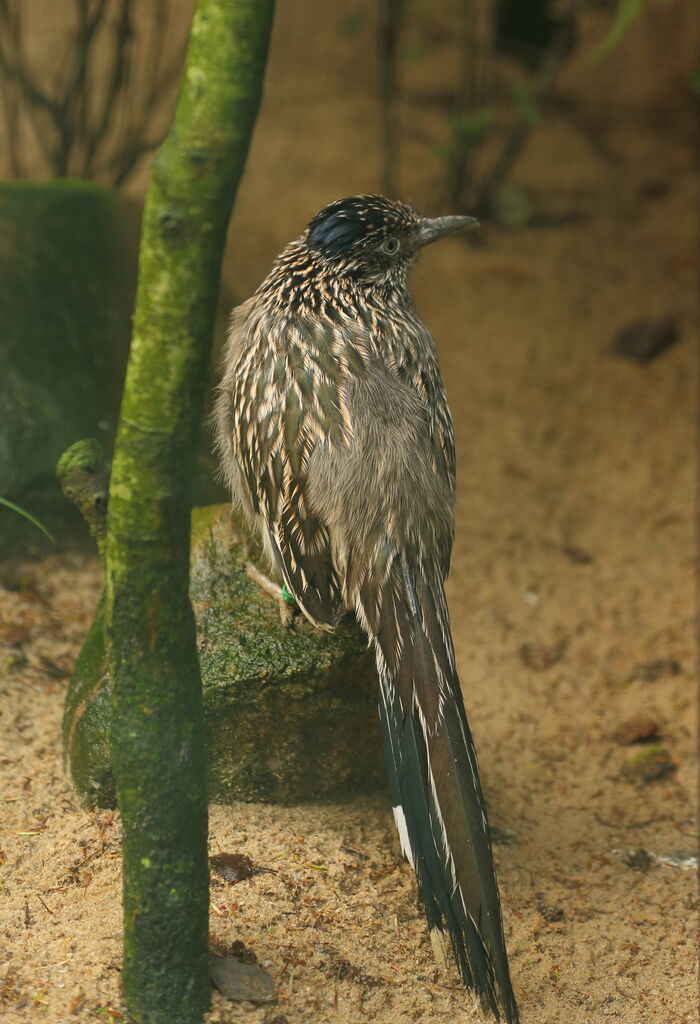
<point>432,228</point>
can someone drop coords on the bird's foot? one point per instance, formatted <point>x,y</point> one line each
<point>288,607</point>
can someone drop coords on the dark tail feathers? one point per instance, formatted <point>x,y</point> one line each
<point>434,781</point>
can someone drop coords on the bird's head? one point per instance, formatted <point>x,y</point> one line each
<point>376,239</point>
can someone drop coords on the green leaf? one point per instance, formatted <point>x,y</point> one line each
<point>351,23</point>
<point>627,11</point>
<point>512,207</point>
<point>526,103</point>
<point>413,52</point>
<point>695,82</point>
<point>471,128</point>
<point>27,515</point>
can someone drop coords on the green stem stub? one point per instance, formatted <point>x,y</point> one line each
<point>286,596</point>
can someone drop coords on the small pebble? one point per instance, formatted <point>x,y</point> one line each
<point>650,765</point>
<point>577,555</point>
<point>240,982</point>
<point>640,860</point>
<point>540,657</point>
<point>236,867</point>
<point>654,189</point>
<point>242,952</point>
<point>651,671</point>
<point>644,340</point>
<point>637,729</point>
<point>550,914</point>
<point>342,969</point>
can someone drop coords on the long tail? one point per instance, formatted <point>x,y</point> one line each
<point>434,780</point>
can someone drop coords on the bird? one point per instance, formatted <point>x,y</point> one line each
<point>336,440</point>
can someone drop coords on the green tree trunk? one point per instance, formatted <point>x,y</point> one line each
<point>157,734</point>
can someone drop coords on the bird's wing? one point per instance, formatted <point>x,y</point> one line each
<point>286,399</point>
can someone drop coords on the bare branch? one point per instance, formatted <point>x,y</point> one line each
<point>127,160</point>
<point>11,28</point>
<point>476,30</point>
<point>92,132</point>
<point>72,122</point>
<point>556,56</point>
<point>390,23</point>
<point>121,65</point>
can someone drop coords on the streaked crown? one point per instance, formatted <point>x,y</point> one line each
<point>360,223</point>
<point>366,240</point>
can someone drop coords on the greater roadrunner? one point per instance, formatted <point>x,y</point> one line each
<point>336,438</point>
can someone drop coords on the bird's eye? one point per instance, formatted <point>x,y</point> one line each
<point>390,246</point>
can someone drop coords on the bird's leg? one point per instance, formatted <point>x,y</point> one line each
<point>288,608</point>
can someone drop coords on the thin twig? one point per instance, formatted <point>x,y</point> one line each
<point>17,76</point>
<point>556,56</point>
<point>632,824</point>
<point>48,909</point>
<point>76,133</point>
<point>72,121</point>
<point>476,50</point>
<point>390,23</point>
<point>10,24</point>
<point>121,62</point>
<point>157,80</point>
<point>124,163</point>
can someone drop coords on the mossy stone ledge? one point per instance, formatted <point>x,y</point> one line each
<point>67,276</point>
<point>290,713</point>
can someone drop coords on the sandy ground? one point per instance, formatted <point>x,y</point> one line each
<point>572,597</point>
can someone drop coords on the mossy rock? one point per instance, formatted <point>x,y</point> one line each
<point>291,714</point>
<point>67,278</point>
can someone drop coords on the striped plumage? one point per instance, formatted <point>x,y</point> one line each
<point>336,438</point>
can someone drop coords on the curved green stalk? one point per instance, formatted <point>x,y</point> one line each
<point>26,515</point>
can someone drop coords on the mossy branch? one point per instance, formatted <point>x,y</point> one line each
<point>157,737</point>
<point>83,473</point>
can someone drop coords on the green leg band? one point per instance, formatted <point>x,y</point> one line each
<point>289,598</point>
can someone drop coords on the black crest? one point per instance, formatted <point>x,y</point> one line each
<point>338,228</point>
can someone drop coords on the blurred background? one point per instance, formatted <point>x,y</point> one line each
<point>552,121</point>
<point>568,339</point>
